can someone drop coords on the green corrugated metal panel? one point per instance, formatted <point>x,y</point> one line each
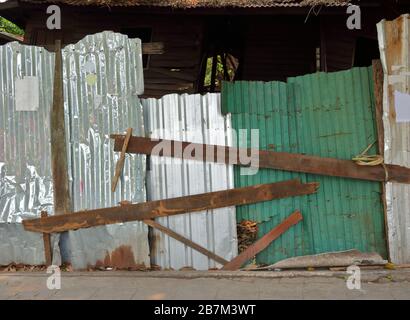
<point>324,114</point>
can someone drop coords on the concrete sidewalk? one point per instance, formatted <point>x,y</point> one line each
<point>380,284</point>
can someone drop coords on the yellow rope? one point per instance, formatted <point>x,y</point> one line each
<point>363,159</point>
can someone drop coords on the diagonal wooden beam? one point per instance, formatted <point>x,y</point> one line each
<point>263,242</point>
<point>267,159</point>
<point>170,207</point>
<point>186,241</point>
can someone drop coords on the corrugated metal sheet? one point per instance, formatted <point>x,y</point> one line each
<point>394,48</point>
<point>323,114</point>
<point>25,157</point>
<point>25,178</point>
<point>102,80</point>
<point>193,118</point>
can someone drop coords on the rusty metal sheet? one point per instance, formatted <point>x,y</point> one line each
<point>394,45</point>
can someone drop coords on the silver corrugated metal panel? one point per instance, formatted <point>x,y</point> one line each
<point>25,156</point>
<point>193,118</point>
<point>394,45</point>
<point>22,247</point>
<point>102,80</point>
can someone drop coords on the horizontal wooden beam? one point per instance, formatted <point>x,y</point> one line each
<point>170,207</point>
<point>263,242</point>
<point>153,48</point>
<point>267,159</point>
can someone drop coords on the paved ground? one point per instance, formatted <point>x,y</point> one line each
<point>198,285</point>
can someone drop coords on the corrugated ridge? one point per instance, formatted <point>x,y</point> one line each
<point>25,156</point>
<point>329,115</point>
<point>188,118</point>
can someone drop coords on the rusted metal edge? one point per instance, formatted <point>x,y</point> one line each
<point>263,242</point>
<point>170,207</point>
<point>266,159</point>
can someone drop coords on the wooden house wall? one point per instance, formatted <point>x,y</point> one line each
<point>268,47</point>
<point>174,71</point>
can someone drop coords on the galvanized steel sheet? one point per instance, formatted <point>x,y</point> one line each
<point>102,80</point>
<point>192,118</point>
<point>395,52</point>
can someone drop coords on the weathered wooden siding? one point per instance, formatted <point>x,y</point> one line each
<point>174,71</point>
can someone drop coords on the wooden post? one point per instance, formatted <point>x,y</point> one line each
<point>62,202</point>
<point>378,79</point>
<point>47,244</point>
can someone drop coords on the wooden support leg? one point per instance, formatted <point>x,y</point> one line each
<point>47,243</point>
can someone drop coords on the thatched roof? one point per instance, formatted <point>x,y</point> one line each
<point>199,3</point>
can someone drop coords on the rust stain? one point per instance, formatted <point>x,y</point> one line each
<point>121,258</point>
<point>394,49</point>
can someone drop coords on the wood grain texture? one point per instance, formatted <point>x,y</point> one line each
<point>120,164</point>
<point>378,80</point>
<point>170,207</point>
<point>267,159</point>
<point>47,244</point>
<point>62,201</point>
<point>186,241</point>
<point>263,242</point>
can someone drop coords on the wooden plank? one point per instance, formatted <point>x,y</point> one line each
<point>62,201</point>
<point>181,74</point>
<point>263,242</point>
<point>47,244</point>
<point>378,80</point>
<point>153,48</point>
<point>170,207</point>
<point>186,241</point>
<point>169,86</point>
<point>120,164</point>
<point>267,159</point>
